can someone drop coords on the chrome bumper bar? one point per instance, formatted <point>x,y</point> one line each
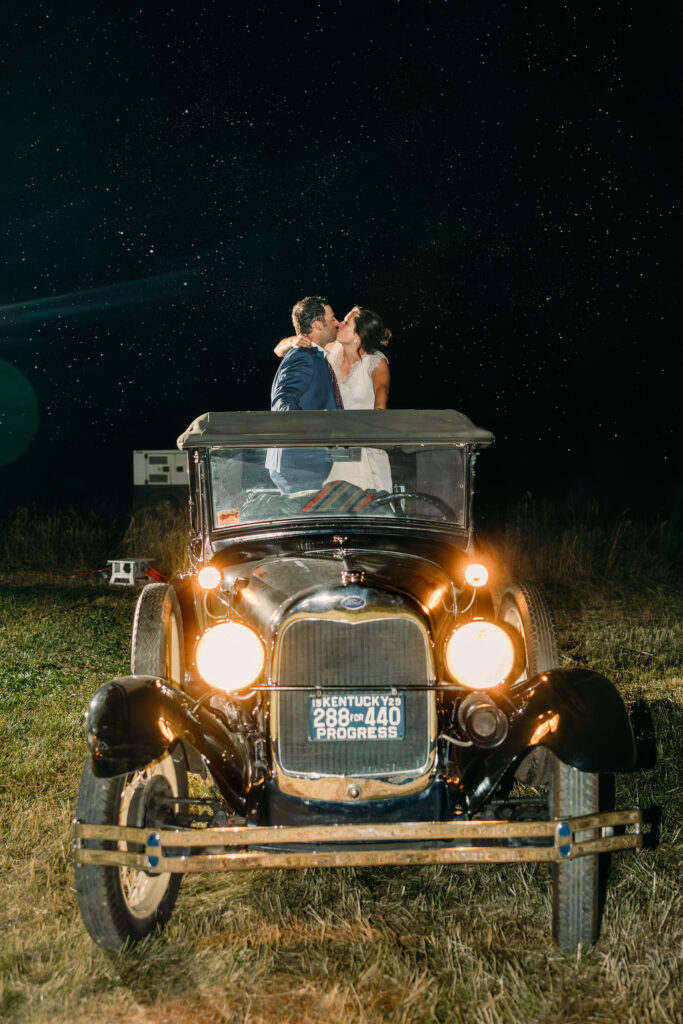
<point>228,848</point>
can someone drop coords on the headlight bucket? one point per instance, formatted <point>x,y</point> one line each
<point>230,656</point>
<point>481,654</point>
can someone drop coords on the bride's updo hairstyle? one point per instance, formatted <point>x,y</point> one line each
<point>370,329</point>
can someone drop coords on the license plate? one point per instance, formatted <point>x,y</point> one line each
<point>357,716</point>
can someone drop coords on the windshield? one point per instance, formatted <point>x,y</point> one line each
<point>417,482</point>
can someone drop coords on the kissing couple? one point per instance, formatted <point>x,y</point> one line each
<point>331,365</point>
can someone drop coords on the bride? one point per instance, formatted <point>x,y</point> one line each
<point>363,375</point>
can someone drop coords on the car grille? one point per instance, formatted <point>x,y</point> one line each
<point>363,655</point>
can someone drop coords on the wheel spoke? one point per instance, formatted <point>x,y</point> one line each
<point>122,903</point>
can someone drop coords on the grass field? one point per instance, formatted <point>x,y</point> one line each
<point>418,945</point>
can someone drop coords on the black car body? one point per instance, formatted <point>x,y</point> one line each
<point>335,665</point>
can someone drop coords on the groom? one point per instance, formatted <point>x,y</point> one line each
<point>305,380</point>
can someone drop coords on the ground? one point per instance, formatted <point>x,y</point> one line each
<point>428,944</point>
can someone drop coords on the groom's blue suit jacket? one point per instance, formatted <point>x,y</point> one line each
<point>301,382</point>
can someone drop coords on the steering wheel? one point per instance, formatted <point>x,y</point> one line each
<point>443,507</point>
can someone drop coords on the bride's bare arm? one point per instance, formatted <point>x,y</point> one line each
<point>296,341</point>
<point>380,382</point>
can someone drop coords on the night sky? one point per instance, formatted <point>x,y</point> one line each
<point>497,180</point>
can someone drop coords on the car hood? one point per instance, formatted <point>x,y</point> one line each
<point>268,590</point>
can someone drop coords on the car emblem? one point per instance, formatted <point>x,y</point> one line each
<point>353,602</point>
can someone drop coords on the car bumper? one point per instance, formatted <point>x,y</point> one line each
<point>241,847</point>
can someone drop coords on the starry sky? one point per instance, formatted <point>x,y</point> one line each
<point>498,180</point>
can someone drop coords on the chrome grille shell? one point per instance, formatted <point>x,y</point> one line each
<point>369,650</point>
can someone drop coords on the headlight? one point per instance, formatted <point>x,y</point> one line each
<point>230,656</point>
<point>480,655</point>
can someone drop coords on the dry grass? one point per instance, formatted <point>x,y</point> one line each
<point>584,540</point>
<point>547,541</point>
<point>54,544</point>
<point>68,541</point>
<point>160,533</point>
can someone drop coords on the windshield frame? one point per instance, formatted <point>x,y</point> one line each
<point>316,521</point>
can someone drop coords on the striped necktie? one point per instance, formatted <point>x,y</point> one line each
<point>335,385</point>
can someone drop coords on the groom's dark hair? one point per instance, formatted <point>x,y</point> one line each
<point>306,311</point>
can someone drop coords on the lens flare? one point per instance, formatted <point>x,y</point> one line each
<point>95,300</point>
<point>18,413</point>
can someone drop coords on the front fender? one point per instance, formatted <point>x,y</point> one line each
<point>134,720</point>
<point>576,713</point>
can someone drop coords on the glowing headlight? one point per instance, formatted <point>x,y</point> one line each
<point>480,655</point>
<point>229,656</point>
<point>208,577</point>
<point>476,574</point>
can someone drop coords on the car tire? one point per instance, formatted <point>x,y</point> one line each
<point>524,606</point>
<point>158,646</point>
<point>120,904</point>
<point>576,883</point>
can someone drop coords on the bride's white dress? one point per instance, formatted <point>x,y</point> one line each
<point>372,472</point>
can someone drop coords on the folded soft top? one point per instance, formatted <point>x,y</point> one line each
<point>332,427</point>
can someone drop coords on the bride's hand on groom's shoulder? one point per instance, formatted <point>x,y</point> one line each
<point>297,341</point>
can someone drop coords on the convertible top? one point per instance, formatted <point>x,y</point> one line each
<point>330,427</point>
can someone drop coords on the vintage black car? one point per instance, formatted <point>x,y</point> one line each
<point>331,683</point>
